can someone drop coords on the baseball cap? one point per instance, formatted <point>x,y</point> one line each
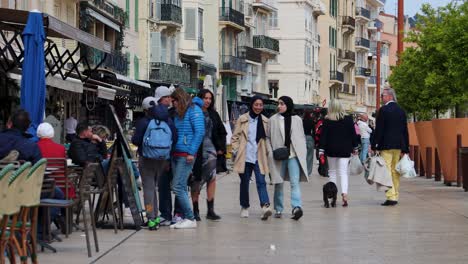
<point>148,102</point>
<point>161,91</point>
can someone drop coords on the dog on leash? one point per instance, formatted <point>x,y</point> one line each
<point>329,192</point>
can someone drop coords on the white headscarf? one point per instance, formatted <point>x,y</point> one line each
<point>45,130</point>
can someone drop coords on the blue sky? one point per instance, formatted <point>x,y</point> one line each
<point>412,6</point>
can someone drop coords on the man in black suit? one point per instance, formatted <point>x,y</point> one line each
<point>391,139</point>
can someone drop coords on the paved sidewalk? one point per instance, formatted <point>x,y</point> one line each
<point>430,225</point>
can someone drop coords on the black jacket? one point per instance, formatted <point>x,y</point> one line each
<point>338,138</point>
<point>391,130</point>
<point>218,137</point>
<point>13,139</point>
<point>83,150</point>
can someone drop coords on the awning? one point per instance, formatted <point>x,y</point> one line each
<point>132,81</point>
<point>106,93</point>
<point>70,84</point>
<point>103,19</point>
<point>13,19</point>
<point>206,64</point>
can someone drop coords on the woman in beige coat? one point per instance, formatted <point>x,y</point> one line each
<point>249,149</point>
<point>286,131</point>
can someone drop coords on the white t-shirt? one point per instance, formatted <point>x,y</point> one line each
<point>364,129</point>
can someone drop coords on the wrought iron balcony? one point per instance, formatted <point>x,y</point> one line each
<point>171,12</point>
<point>168,73</point>
<point>362,42</point>
<point>346,55</point>
<point>228,14</point>
<point>251,54</point>
<point>266,43</point>
<point>362,12</point>
<point>336,76</point>
<point>349,21</point>
<point>233,64</point>
<point>115,62</point>
<point>361,72</point>
<point>109,8</point>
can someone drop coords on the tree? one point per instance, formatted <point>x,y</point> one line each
<point>431,77</point>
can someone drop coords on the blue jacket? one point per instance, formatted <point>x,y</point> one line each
<point>191,128</point>
<point>13,139</point>
<point>158,112</point>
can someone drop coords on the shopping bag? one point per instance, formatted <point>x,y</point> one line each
<point>405,167</point>
<point>355,166</point>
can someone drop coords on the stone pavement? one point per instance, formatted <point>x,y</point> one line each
<point>430,225</point>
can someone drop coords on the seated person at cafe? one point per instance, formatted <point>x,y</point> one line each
<point>16,138</point>
<point>87,147</point>
<point>50,149</point>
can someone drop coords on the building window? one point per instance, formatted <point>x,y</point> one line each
<point>136,15</point>
<point>127,10</point>
<point>307,55</point>
<point>273,86</point>
<point>136,67</point>
<point>274,19</point>
<point>190,25</point>
<point>334,8</point>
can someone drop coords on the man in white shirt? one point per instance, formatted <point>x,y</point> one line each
<point>70,127</point>
<point>365,136</point>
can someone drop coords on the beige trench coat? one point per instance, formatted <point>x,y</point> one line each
<point>239,145</point>
<point>298,142</point>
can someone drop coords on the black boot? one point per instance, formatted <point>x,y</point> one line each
<point>196,212</point>
<point>211,215</point>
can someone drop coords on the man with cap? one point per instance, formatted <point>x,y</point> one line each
<point>151,170</point>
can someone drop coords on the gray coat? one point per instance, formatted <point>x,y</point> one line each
<point>276,140</point>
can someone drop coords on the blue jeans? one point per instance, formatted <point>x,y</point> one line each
<point>181,171</point>
<point>365,142</point>
<point>244,185</point>
<point>292,165</point>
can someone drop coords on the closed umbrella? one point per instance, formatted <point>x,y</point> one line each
<point>33,80</point>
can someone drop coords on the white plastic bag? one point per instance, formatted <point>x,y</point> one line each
<point>355,166</point>
<point>405,167</point>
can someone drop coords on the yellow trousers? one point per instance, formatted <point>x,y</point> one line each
<point>391,157</point>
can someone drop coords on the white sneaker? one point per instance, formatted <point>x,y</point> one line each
<point>266,212</point>
<point>175,220</point>
<point>244,213</point>
<point>186,224</point>
<point>164,222</point>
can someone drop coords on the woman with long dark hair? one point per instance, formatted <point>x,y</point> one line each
<point>214,144</point>
<point>190,126</point>
<point>250,152</point>
<point>288,163</point>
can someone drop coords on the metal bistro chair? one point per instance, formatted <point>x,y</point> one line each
<point>6,211</point>
<point>30,197</point>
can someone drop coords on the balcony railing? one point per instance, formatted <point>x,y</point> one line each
<point>377,24</point>
<point>349,21</point>
<point>362,42</point>
<point>232,63</point>
<point>265,42</point>
<point>231,15</point>
<point>373,80</point>
<point>171,13</point>
<point>116,12</point>
<point>200,44</point>
<point>336,76</point>
<point>115,62</point>
<point>361,11</point>
<point>317,38</point>
<point>361,71</point>
<point>169,73</point>
<point>346,55</point>
<point>250,54</point>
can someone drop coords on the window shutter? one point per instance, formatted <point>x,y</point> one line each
<point>136,67</point>
<point>158,9</point>
<point>173,50</point>
<point>155,47</point>
<point>136,15</point>
<point>163,48</point>
<point>190,23</point>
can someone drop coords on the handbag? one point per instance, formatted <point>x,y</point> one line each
<point>221,164</point>
<point>281,153</point>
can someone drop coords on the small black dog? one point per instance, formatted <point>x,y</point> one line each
<point>329,192</point>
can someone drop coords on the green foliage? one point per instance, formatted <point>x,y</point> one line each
<point>432,77</point>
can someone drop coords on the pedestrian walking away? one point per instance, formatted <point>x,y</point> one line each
<point>287,133</point>
<point>190,125</point>
<point>250,153</point>
<point>365,136</point>
<point>337,142</point>
<point>391,140</point>
<point>214,144</point>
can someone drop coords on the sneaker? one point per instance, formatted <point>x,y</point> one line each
<point>266,212</point>
<point>278,214</point>
<point>297,213</point>
<point>244,213</point>
<point>153,224</point>
<point>164,222</point>
<point>186,224</point>
<point>175,220</point>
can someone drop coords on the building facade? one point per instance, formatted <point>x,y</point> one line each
<point>296,71</point>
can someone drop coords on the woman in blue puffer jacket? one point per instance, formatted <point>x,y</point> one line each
<point>190,125</point>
